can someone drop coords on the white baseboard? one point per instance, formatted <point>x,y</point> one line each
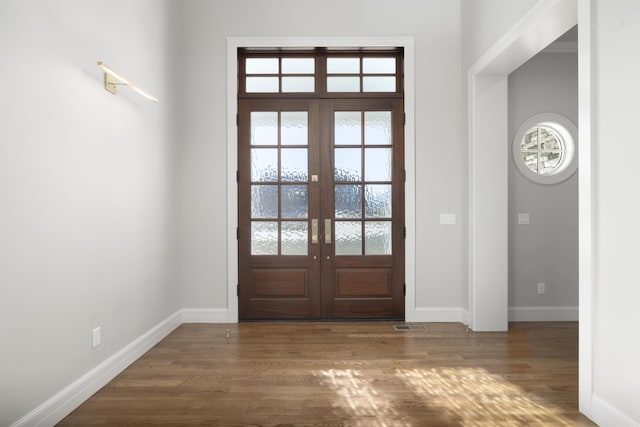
<point>205,315</point>
<point>69,398</point>
<point>543,314</point>
<point>606,415</point>
<point>442,314</point>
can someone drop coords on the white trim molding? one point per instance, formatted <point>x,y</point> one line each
<point>605,414</point>
<point>204,315</point>
<point>69,398</point>
<point>543,314</point>
<point>233,44</point>
<point>441,314</point>
<point>586,206</point>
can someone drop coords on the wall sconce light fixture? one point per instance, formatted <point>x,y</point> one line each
<point>113,79</point>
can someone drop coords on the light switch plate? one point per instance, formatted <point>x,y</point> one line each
<point>542,288</point>
<point>95,337</point>
<point>523,219</point>
<point>447,219</point>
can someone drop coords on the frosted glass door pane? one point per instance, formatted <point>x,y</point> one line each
<point>264,128</point>
<point>348,237</point>
<point>377,239</point>
<point>377,201</point>
<point>294,128</point>
<point>264,201</point>
<point>348,201</point>
<point>294,238</point>
<point>348,128</point>
<point>264,238</point>
<point>377,164</point>
<point>348,164</point>
<point>295,201</point>
<point>264,164</point>
<point>377,128</point>
<point>294,164</point>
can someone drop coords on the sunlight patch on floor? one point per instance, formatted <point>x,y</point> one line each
<point>473,397</point>
<point>356,395</point>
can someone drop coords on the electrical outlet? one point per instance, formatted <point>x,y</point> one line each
<point>95,335</point>
<point>541,288</point>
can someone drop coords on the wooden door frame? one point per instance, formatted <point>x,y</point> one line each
<point>233,43</point>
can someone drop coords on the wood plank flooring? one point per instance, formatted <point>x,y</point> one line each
<point>347,374</point>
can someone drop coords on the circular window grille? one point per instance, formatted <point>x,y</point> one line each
<point>544,148</point>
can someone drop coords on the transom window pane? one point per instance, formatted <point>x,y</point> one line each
<point>262,66</point>
<point>298,66</point>
<point>343,65</point>
<point>298,84</point>
<point>379,65</point>
<point>343,84</point>
<point>379,84</point>
<point>262,85</point>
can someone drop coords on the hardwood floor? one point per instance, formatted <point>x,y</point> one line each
<point>347,374</point>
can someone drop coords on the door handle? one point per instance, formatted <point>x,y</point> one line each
<point>314,230</point>
<point>327,231</point>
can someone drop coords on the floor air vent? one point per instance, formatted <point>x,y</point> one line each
<point>409,327</point>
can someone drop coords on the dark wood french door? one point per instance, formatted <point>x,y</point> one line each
<point>321,208</point>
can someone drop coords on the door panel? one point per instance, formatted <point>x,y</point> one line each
<point>363,266</point>
<point>278,197</point>
<point>321,214</point>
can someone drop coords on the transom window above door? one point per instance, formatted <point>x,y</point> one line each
<point>320,72</point>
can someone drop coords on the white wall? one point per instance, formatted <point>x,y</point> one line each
<point>86,193</point>
<point>546,250</point>
<point>616,174</point>
<point>439,141</point>
<point>485,21</point>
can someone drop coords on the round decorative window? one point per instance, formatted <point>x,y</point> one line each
<point>544,148</point>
